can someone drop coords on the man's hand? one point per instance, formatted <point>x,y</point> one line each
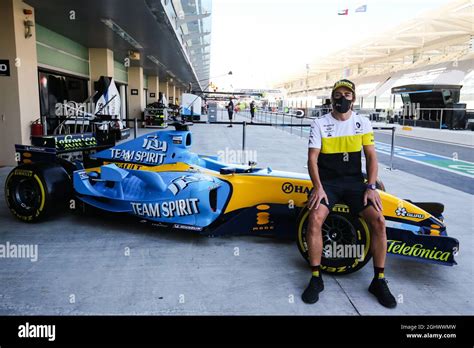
<point>316,197</point>
<point>374,197</point>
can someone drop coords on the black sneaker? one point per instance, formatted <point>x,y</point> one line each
<point>311,294</point>
<point>229,126</point>
<point>380,289</point>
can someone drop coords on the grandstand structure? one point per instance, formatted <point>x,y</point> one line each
<point>436,48</point>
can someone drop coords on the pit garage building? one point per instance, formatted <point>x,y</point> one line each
<point>52,51</point>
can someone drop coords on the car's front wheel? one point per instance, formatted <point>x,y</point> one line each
<point>346,241</point>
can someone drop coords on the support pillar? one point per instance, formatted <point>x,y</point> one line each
<point>172,88</point>
<point>164,89</point>
<point>101,63</point>
<point>153,87</point>
<point>136,101</point>
<point>19,97</point>
<point>178,95</point>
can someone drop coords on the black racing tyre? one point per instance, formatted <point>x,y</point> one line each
<point>34,191</point>
<point>68,166</point>
<point>343,229</point>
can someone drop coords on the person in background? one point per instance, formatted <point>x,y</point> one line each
<point>204,107</point>
<point>252,110</point>
<point>230,111</point>
<point>326,107</point>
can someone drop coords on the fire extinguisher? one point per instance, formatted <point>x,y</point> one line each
<point>36,128</point>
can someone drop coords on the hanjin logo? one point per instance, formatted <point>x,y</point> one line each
<point>287,187</point>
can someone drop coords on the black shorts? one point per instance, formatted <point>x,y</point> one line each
<point>230,115</point>
<point>349,191</point>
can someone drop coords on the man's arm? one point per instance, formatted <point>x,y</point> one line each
<point>371,163</point>
<point>371,166</point>
<point>313,155</point>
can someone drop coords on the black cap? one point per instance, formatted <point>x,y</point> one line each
<point>344,83</point>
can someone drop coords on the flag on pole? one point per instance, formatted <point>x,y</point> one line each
<point>343,12</point>
<point>362,8</point>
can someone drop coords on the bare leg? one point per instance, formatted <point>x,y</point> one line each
<point>314,235</point>
<point>378,245</point>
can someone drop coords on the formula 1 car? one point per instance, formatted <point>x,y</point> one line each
<point>158,179</point>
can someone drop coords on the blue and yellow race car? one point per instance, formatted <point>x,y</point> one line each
<point>158,179</point>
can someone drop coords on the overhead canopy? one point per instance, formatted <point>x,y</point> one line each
<point>441,35</point>
<point>439,74</point>
<point>145,22</point>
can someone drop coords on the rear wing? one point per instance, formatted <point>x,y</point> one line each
<point>47,148</point>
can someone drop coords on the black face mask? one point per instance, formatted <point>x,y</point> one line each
<point>342,104</point>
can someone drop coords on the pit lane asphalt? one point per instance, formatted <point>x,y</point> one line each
<point>437,175</point>
<point>169,273</point>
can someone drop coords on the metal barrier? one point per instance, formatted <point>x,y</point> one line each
<point>263,114</point>
<point>274,117</point>
<point>392,145</point>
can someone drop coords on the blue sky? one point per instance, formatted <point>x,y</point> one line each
<point>262,41</point>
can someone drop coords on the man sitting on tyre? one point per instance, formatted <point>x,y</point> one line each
<point>334,163</point>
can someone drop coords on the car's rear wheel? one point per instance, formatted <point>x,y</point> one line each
<point>35,191</point>
<point>346,241</point>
